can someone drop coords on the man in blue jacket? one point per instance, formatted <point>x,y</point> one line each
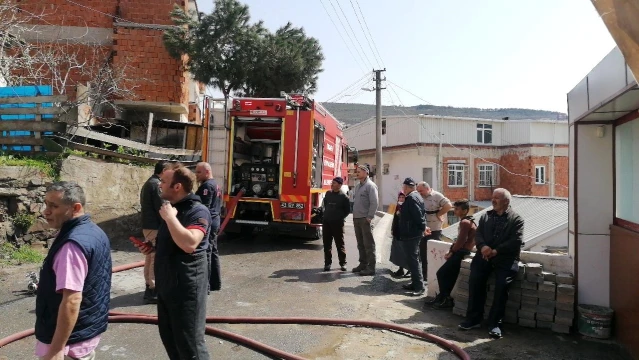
<point>72,302</point>
<point>412,227</point>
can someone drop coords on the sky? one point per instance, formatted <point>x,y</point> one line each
<point>465,53</point>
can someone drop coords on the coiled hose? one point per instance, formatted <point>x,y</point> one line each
<point>135,318</point>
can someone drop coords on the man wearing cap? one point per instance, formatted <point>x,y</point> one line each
<point>365,203</point>
<point>412,226</point>
<point>336,209</point>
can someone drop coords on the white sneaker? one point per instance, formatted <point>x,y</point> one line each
<point>495,333</point>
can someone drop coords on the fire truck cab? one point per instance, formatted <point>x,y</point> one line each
<point>283,154</point>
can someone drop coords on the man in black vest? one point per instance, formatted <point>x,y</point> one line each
<point>211,197</point>
<point>181,267</point>
<point>72,302</point>
<point>336,209</point>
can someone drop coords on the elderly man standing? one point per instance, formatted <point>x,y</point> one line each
<point>336,209</point>
<point>72,303</point>
<point>412,225</point>
<point>364,208</point>
<point>498,239</point>
<point>437,207</point>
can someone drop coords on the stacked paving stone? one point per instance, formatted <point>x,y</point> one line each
<point>536,299</point>
<point>461,296</point>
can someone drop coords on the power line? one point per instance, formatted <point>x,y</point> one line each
<point>117,17</point>
<point>342,37</point>
<point>348,88</point>
<point>366,35</point>
<point>349,35</point>
<point>420,98</point>
<point>371,34</point>
<point>353,31</point>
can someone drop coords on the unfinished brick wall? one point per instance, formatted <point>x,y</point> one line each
<point>561,176</point>
<point>149,12</point>
<point>517,162</point>
<point>141,51</point>
<point>161,77</point>
<point>64,13</point>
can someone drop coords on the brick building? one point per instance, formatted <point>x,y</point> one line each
<point>467,157</point>
<point>126,36</point>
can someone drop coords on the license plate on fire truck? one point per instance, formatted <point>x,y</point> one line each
<point>291,205</point>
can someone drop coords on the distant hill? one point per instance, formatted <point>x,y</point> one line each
<point>351,114</point>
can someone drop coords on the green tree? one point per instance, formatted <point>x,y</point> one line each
<point>289,61</point>
<point>223,49</point>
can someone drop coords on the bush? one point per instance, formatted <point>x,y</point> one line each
<point>23,220</point>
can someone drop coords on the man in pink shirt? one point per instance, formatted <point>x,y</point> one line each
<point>72,302</point>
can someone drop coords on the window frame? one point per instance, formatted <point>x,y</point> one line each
<point>482,129</point>
<point>544,179</point>
<point>622,223</point>
<point>492,172</point>
<point>456,169</point>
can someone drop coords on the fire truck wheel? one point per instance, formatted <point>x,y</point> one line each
<point>316,233</point>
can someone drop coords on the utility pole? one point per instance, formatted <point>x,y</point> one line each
<point>378,137</point>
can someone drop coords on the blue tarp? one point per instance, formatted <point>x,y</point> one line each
<point>23,91</point>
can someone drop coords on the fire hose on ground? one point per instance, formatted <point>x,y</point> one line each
<point>136,318</point>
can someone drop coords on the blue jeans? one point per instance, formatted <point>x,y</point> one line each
<point>411,251</point>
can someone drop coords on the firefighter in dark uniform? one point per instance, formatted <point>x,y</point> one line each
<point>181,267</point>
<point>336,209</point>
<point>211,197</point>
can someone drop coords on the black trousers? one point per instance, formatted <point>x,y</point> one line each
<point>449,271</point>
<point>182,284</point>
<point>505,271</point>
<point>213,259</point>
<point>333,230</point>
<point>423,251</point>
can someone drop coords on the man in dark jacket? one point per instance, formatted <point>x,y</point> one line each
<point>498,239</point>
<point>336,209</point>
<point>150,203</point>
<point>181,266</point>
<point>72,302</point>
<point>412,227</point>
<point>211,197</point>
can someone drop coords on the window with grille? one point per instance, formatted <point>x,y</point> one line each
<point>487,175</point>
<point>485,133</point>
<point>540,174</point>
<point>455,174</point>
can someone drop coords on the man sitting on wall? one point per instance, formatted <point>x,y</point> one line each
<point>499,239</point>
<point>449,271</point>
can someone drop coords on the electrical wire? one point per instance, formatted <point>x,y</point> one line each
<point>353,31</point>
<point>366,35</point>
<point>342,37</point>
<point>369,31</point>
<point>349,35</point>
<point>349,87</point>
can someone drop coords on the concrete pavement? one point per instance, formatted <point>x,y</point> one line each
<point>284,277</point>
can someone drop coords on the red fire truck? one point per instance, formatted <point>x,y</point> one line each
<point>283,154</point>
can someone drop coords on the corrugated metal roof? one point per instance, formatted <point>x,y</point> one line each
<point>541,215</point>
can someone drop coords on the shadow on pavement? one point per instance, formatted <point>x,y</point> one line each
<point>262,243</point>
<point>127,300</point>
<point>313,276</point>
<point>379,285</point>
